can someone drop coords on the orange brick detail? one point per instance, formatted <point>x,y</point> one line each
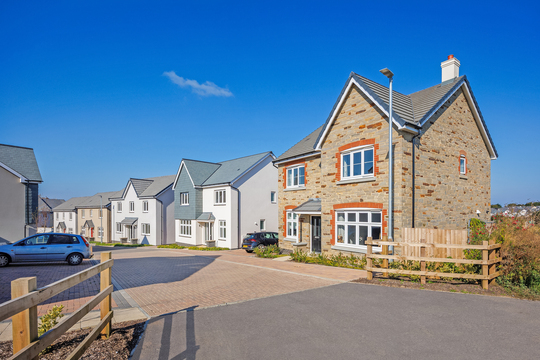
<point>333,227</point>
<point>357,143</point>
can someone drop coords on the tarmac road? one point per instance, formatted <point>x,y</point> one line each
<point>350,321</point>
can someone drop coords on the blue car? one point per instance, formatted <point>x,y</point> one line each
<point>47,247</point>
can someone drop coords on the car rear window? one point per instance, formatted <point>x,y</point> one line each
<point>63,239</point>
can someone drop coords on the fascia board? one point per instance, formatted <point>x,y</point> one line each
<point>252,167</point>
<point>396,119</point>
<point>20,176</point>
<point>314,153</point>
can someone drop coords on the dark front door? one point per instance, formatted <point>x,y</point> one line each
<point>316,234</point>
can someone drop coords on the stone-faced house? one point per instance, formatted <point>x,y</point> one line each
<point>19,183</point>
<point>333,184</point>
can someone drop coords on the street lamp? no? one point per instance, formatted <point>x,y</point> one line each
<point>101,217</point>
<point>390,75</point>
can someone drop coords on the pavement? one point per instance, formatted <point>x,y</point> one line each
<point>350,321</point>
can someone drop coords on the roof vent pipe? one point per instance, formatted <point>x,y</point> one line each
<point>450,68</point>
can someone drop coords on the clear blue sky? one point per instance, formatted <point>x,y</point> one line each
<point>101,90</point>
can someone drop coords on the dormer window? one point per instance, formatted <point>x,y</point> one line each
<point>296,177</point>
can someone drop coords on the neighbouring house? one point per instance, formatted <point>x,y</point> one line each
<point>19,188</point>
<point>333,184</point>
<point>144,212</point>
<point>219,203</point>
<point>94,216</point>
<point>65,215</point>
<point>45,222</point>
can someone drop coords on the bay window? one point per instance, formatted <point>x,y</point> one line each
<point>353,227</point>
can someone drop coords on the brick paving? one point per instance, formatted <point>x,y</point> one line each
<point>163,281</point>
<point>47,273</point>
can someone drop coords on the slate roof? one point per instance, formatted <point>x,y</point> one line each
<point>46,204</point>
<point>70,204</point>
<point>312,205</point>
<point>146,188</point>
<point>21,160</point>
<point>206,173</point>
<point>412,109</point>
<point>95,201</point>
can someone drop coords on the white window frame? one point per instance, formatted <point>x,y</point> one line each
<point>350,153</point>
<point>273,196</point>
<point>184,199</point>
<point>294,177</point>
<point>91,211</point>
<point>145,206</point>
<point>118,227</point>
<point>145,229</point>
<point>220,197</point>
<point>222,229</point>
<point>292,225</point>
<point>63,216</point>
<point>185,228</point>
<point>262,225</point>
<point>70,215</point>
<point>132,206</point>
<point>82,213</point>
<point>119,206</point>
<point>462,164</point>
<point>70,230</point>
<point>356,223</point>
<point>57,216</point>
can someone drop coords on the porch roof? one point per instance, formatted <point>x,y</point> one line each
<point>62,225</point>
<point>129,221</point>
<point>89,224</point>
<point>206,216</point>
<point>312,206</point>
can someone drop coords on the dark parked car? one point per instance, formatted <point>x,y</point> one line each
<point>47,247</point>
<point>260,240</point>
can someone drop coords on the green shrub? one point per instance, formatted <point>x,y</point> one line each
<point>271,251</point>
<point>172,246</point>
<point>203,248</point>
<point>339,260</point>
<point>50,319</point>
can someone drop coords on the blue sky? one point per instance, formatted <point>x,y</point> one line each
<point>105,91</point>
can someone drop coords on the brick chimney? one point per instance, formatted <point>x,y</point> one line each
<point>450,68</point>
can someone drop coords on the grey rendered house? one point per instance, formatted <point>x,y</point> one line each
<point>19,187</point>
<point>219,203</point>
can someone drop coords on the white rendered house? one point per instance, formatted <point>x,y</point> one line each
<point>222,202</point>
<point>144,212</point>
<point>65,215</point>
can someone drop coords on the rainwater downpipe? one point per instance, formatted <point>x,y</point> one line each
<point>414,176</point>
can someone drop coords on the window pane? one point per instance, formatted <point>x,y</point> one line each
<point>289,215</point>
<point>340,217</point>
<point>363,217</point>
<point>289,177</point>
<point>357,162</point>
<point>351,234</point>
<point>375,232</point>
<point>376,217</point>
<point>351,217</point>
<point>289,232</point>
<point>224,196</point>
<point>301,172</point>
<point>295,176</point>
<point>294,228</point>
<point>363,234</point>
<point>340,233</point>
<point>346,165</point>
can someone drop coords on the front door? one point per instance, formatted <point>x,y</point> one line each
<point>316,234</point>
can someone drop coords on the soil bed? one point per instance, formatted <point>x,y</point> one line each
<point>123,339</point>
<point>453,285</point>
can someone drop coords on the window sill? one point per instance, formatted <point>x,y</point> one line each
<point>295,188</point>
<point>300,244</point>
<point>354,249</point>
<point>358,180</point>
<point>290,240</point>
<point>186,236</point>
<point>464,177</point>
<point>220,204</point>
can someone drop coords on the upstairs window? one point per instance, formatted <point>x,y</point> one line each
<point>90,212</point>
<point>357,163</point>
<point>296,176</point>
<point>273,198</point>
<point>145,206</point>
<point>70,216</point>
<point>63,215</point>
<point>220,197</point>
<point>82,213</point>
<point>132,206</point>
<point>184,198</point>
<point>462,165</point>
<point>119,206</point>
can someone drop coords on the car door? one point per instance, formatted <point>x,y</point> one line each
<point>58,247</point>
<point>33,248</point>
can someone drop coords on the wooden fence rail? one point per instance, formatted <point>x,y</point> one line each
<point>23,311</point>
<point>490,258</point>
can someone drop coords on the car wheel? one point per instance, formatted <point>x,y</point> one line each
<point>75,259</point>
<point>4,260</point>
<point>249,251</point>
<point>260,246</point>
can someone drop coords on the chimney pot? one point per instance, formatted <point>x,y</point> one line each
<point>450,68</point>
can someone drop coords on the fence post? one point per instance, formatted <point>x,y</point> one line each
<point>423,262</point>
<point>385,252</point>
<point>492,267</point>
<point>106,304</point>
<point>485,271</point>
<point>369,263</point>
<point>24,324</point>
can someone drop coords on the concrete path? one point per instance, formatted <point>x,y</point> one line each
<point>350,321</point>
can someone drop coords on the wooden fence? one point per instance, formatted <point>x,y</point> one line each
<point>23,310</point>
<point>434,236</point>
<point>490,258</point>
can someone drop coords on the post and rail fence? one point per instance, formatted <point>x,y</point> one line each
<point>23,311</point>
<point>419,252</point>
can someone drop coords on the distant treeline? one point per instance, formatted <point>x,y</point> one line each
<point>498,206</point>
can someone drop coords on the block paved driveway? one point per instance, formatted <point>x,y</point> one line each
<point>161,281</point>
